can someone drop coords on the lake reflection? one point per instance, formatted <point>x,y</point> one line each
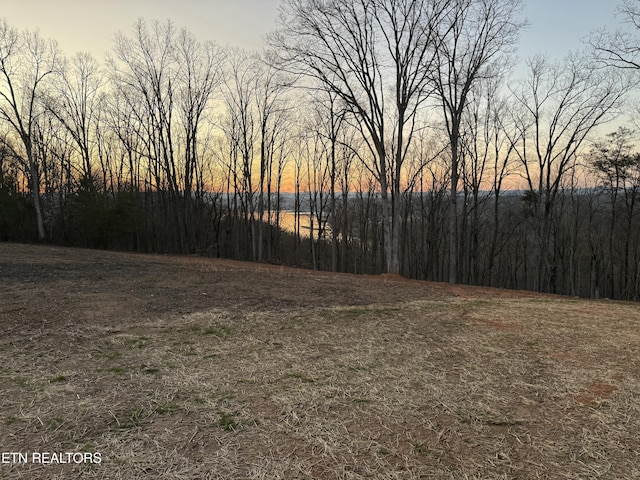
<point>288,223</point>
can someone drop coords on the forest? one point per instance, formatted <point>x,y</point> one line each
<point>369,136</point>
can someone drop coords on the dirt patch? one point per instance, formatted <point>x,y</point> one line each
<point>194,368</point>
<point>596,393</point>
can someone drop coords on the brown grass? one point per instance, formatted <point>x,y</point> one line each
<point>192,368</point>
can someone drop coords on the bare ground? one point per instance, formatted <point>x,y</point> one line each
<point>194,368</point>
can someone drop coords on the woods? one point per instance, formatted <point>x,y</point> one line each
<point>397,136</point>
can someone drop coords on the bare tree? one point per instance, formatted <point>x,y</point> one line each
<point>198,75</point>
<point>621,48</point>
<point>144,73</point>
<point>167,79</point>
<point>376,57</point>
<point>330,122</point>
<point>469,47</point>
<point>495,139</point>
<point>488,154</point>
<point>271,111</point>
<point>26,62</point>
<point>560,106</point>
<point>241,127</point>
<point>123,138</point>
<point>74,101</point>
<point>618,167</point>
<point>318,164</point>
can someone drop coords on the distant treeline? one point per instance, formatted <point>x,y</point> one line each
<point>594,240</point>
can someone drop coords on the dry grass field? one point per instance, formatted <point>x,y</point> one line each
<point>166,367</point>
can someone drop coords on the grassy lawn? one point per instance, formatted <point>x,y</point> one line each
<point>167,367</point>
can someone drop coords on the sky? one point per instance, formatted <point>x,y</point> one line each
<point>556,26</point>
<point>90,25</point>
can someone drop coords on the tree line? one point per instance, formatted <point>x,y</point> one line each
<point>369,136</point>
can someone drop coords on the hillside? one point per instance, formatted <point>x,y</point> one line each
<point>193,368</point>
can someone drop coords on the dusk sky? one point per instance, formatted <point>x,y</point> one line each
<point>556,26</point>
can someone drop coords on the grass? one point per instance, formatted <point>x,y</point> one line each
<point>221,331</point>
<point>117,370</point>
<point>360,378</point>
<point>420,448</point>
<point>217,330</point>
<point>167,409</point>
<point>141,342</point>
<point>227,422</point>
<point>147,370</point>
<point>21,381</point>
<point>131,418</point>
<point>300,376</point>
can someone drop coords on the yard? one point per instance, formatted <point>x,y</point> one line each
<point>126,366</point>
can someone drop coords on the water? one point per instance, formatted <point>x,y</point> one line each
<point>288,223</point>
